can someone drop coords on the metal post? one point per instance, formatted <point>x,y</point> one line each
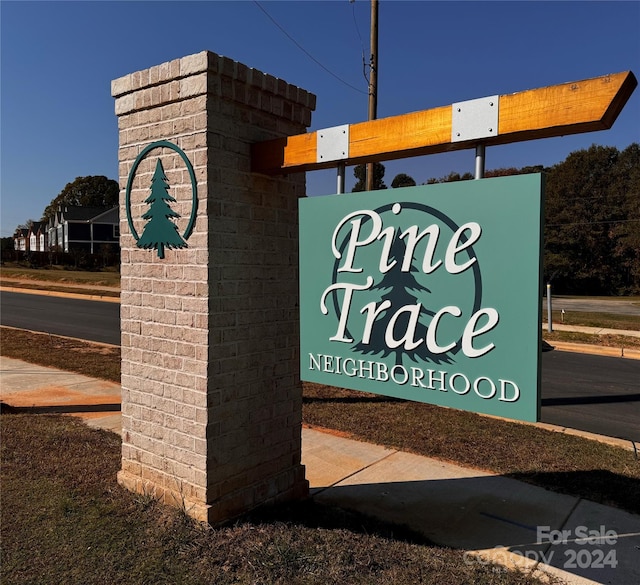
<point>549,317</point>
<point>340,186</point>
<point>373,84</point>
<point>480,152</point>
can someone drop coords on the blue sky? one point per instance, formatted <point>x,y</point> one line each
<point>57,118</point>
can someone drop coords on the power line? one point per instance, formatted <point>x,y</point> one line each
<point>355,22</point>
<point>297,44</point>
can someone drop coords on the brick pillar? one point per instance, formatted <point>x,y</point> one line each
<point>211,395</point>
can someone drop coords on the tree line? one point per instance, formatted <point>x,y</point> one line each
<point>592,215</point>
<point>592,218</point>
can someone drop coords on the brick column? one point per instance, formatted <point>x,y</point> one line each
<point>211,395</point>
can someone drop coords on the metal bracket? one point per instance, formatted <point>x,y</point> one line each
<point>332,144</point>
<point>475,119</point>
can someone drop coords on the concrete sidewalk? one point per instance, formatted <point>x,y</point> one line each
<point>489,516</point>
<point>592,330</point>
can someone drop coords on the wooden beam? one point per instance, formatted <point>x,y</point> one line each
<point>558,110</point>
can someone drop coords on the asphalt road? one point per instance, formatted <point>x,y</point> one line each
<point>91,320</point>
<point>618,307</point>
<point>587,392</point>
<point>594,393</point>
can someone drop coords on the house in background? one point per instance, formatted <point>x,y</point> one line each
<point>38,237</point>
<point>21,239</point>
<point>84,229</point>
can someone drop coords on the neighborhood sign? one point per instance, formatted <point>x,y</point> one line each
<point>427,293</point>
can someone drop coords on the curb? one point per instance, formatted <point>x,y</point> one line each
<point>68,295</point>
<point>623,352</point>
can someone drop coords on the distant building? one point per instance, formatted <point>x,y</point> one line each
<point>76,228</point>
<point>38,237</point>
<point>21,239</point>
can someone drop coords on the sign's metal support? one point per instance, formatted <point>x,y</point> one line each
<point>341,171</point>
<point>332,145</point>
<point>549,312</point>
<point>480,156</point>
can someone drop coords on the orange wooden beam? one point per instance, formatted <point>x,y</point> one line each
<point>558,110</point>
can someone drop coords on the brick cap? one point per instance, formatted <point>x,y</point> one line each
<point>209,62</point>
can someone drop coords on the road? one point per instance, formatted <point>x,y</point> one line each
<point>618,306</point>
<point>592,393</point>
<point>91,320</point>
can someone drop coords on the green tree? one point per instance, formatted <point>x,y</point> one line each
<point>360,173</point>
<point>450,178</point>
<point>626,233</point>
<point>592,219</point>
<point>509,171</point>
<point>589,227</point>
<point>402,180</point>
<point>160,232</point>
<point>91,191</point>
<point>6,243</point>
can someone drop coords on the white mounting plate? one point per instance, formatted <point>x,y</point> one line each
<point>475,119</point>
<point>332,144</point>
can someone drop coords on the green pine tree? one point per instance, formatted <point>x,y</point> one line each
<point>160,232</point>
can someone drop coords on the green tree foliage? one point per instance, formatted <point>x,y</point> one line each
<point>6,243</point>
<point>626,233</point>
<point>592,221</point>
<point>360,173</point>
<point>506,172</point>
<point>402,180</point>
<point>91,191</point>
<point>450,178</point>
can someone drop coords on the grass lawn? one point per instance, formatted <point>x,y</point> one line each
<point>591,339</point>
<point>58,274</point>
<point>592,319</point>
<point>56,279</point>
<point>65,520</point>
<point>556,461</point>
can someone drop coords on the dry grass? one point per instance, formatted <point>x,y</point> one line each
<point>65,520</point>
<point>591,319</point>
<point>564,463</point>
<point>56,279</point>
<point>621,341</point>
<point>58,274</point>
<point>91,359</point>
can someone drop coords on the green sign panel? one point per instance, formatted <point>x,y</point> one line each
<point>428,293</point>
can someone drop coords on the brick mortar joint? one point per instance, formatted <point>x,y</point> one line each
<point>275,92</point>
<point>135,110</point>
<point>215,67</point>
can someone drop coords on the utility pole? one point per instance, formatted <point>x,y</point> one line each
<point>373,80</point>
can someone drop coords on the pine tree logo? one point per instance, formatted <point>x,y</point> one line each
<point>161,232</point>
<point>401,288</point>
